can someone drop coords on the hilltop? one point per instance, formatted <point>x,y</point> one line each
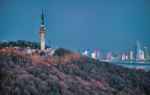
<point>21,44</point>
<point>65,73</point>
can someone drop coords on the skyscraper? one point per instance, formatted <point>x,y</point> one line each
<point>137,48</point>
<point>109,56</point>
<point>94,55</point>
<point>135,52</point>
<point>146,53</point>
<point>42,32</point>
<point>131,55</point>
<point>140,55</point>
<point>138,45</point>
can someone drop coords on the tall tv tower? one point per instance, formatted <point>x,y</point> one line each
<point>42,32</point>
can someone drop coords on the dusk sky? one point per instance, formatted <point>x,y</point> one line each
<point>78,24</point>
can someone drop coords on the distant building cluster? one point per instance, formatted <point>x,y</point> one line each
<point>140,54</point>
<point>137,54</point>
<point>91,54</point>
<point>96,54</point>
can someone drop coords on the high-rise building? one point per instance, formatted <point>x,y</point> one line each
<point>109,56</point>
<point>126,57</point>
<point>135,52</point>
<point>131,55</point>
<point>94,55</point>
<point>42,32</point>
<point>85,53</point>
<point>138,45</point>
<point>89,53</point>
<point>146,53</point>
<point>137,48</point>
<point>98,55</point>
<point>140,55</point>
<point>123,57</point>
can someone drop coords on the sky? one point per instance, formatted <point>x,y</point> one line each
<point>78,24</point>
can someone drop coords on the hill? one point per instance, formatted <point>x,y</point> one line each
<point>66,73</point>
<point>21,44</point>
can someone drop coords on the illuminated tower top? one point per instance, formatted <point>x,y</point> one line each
<point>42,23</point>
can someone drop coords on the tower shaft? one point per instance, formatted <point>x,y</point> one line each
<point>42,38</point>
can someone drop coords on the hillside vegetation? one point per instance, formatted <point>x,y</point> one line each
<point>21,43</point>
<point>66,73</point>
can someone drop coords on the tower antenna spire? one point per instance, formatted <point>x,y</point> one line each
<point>42,18</point>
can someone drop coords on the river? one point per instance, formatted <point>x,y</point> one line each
<point>135,65</point>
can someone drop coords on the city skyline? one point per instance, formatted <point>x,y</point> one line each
<point>78,24</point>
<point>138,53</point>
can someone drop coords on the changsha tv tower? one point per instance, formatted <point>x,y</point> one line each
<point>42,32</point>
